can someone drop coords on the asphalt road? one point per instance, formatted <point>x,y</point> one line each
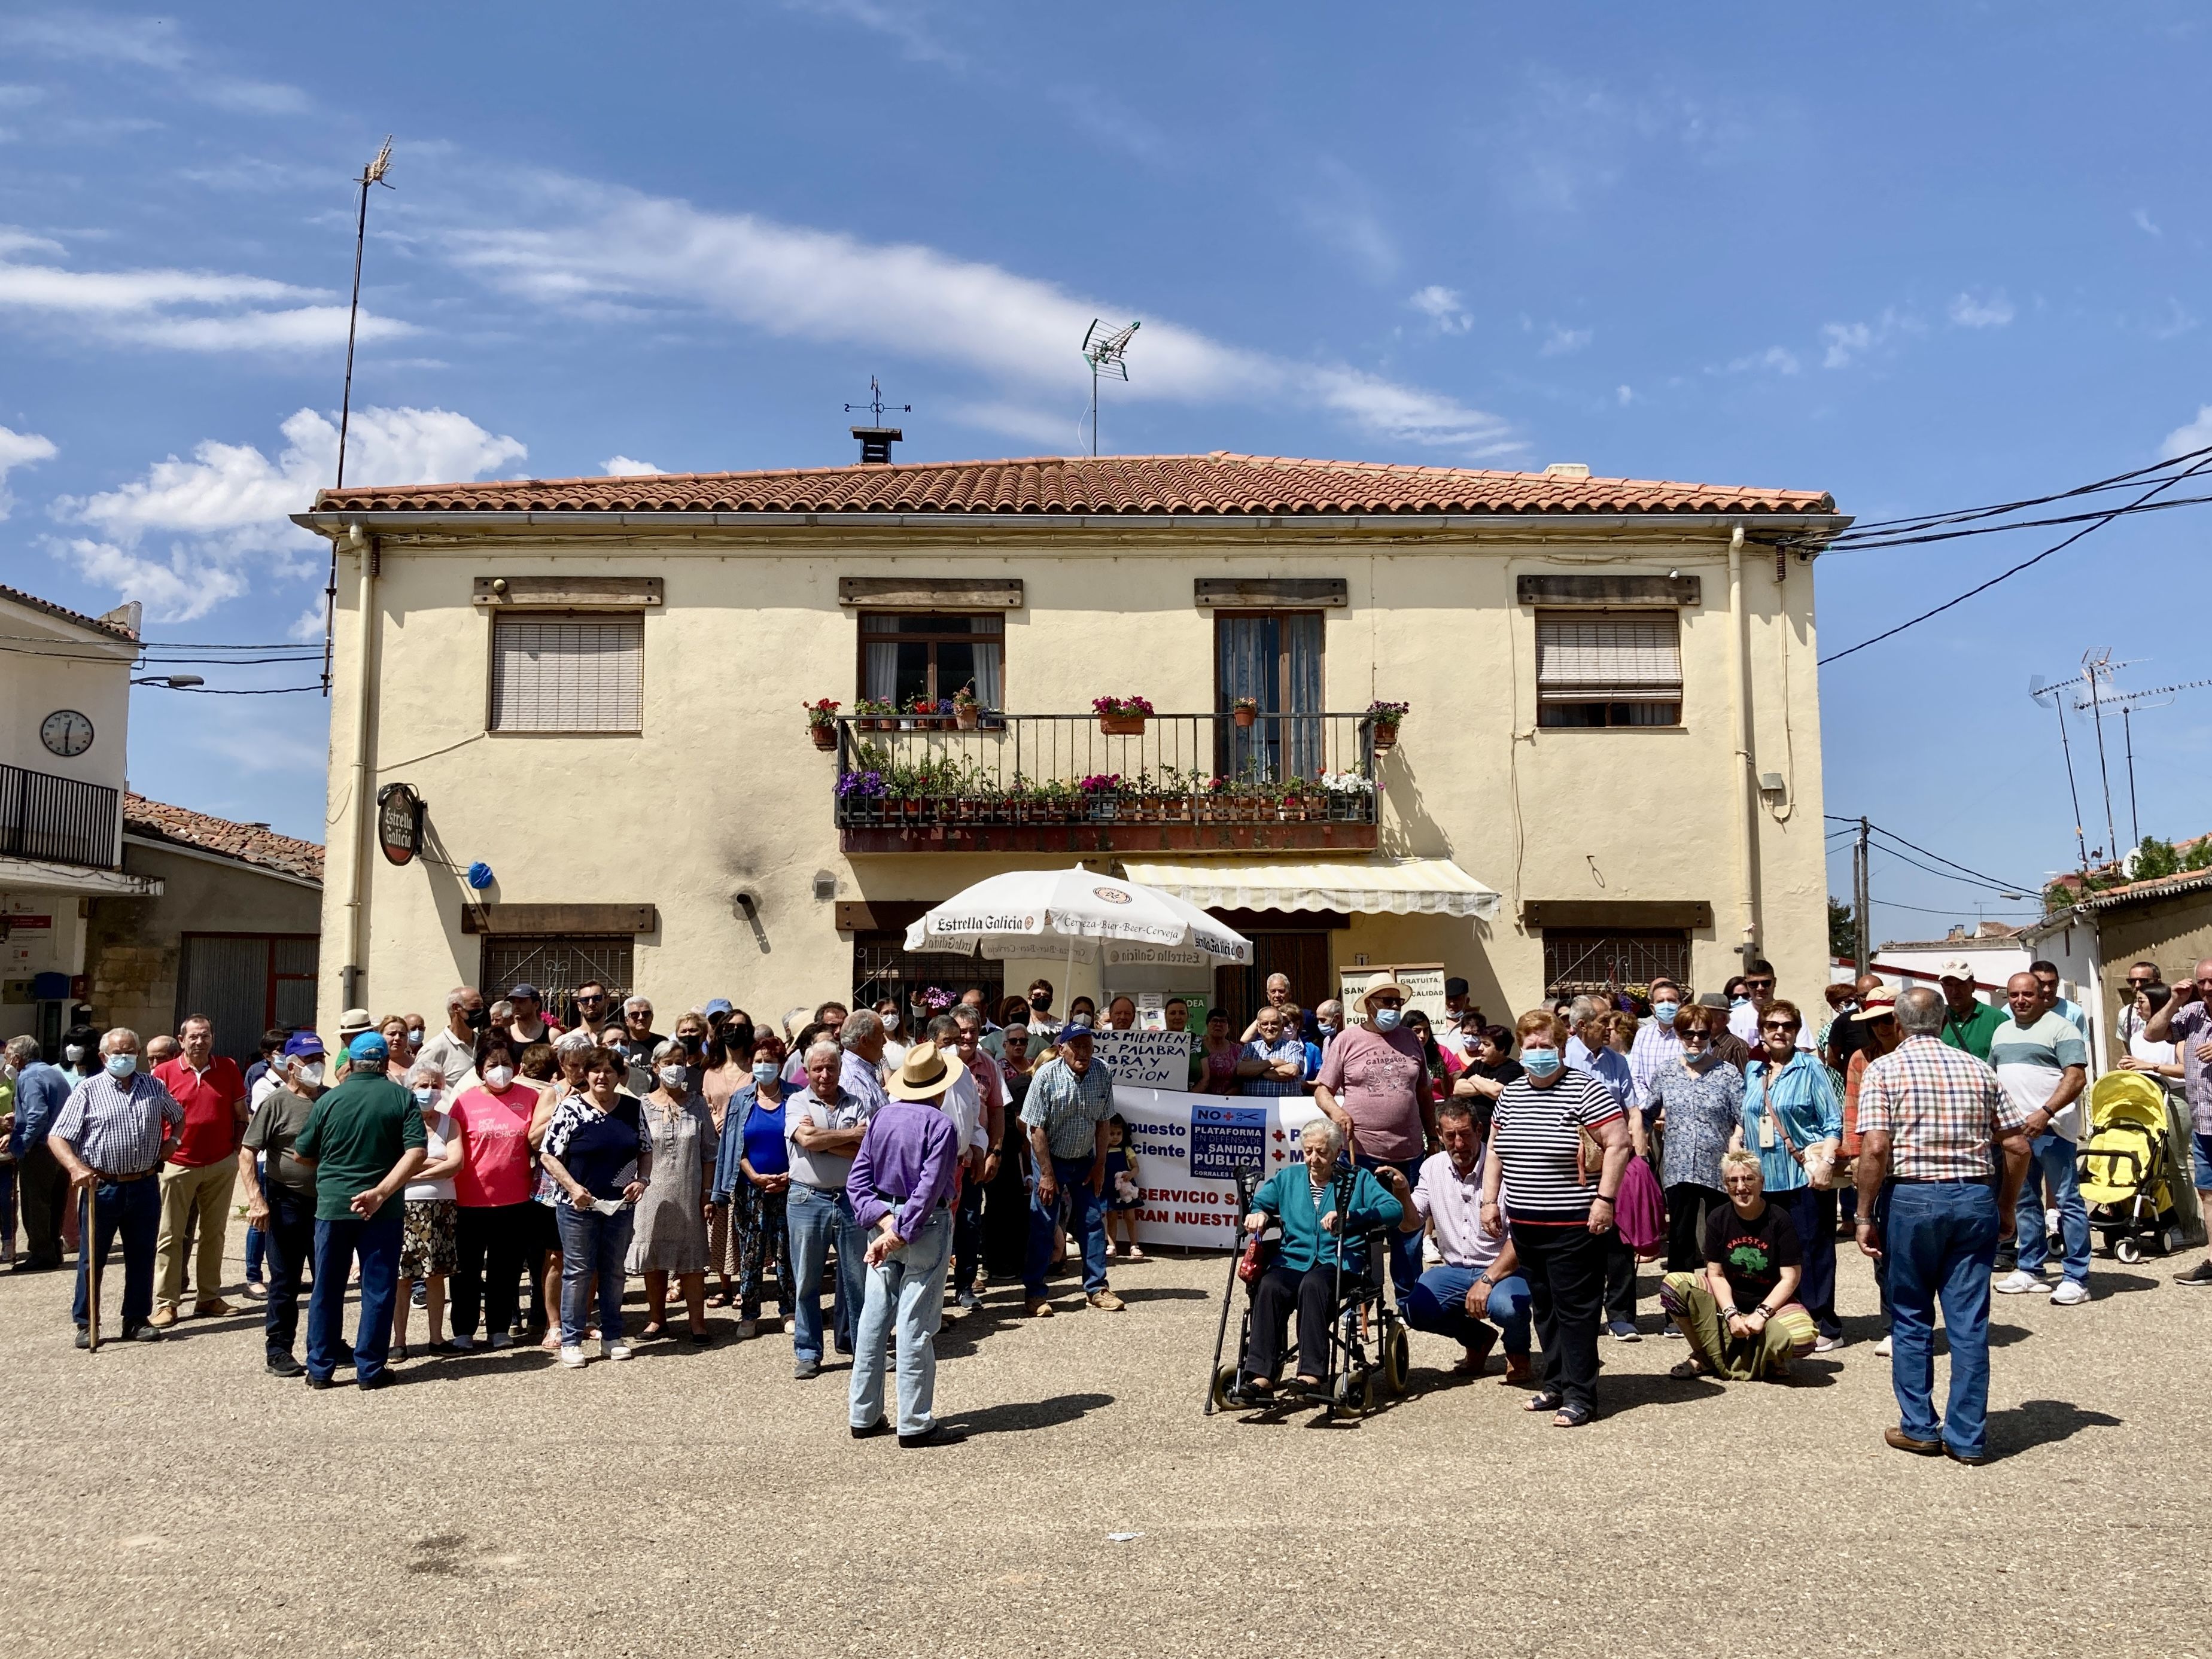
<point>172,1499</point>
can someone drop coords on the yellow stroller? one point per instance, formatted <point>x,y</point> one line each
<point>2127,1166</point>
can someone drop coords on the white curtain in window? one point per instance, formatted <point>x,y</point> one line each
<point>988,680</point>
<point>883,672</point>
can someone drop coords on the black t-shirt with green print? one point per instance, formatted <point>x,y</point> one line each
<point>1753,1252</point>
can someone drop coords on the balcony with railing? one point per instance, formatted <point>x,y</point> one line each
<point>59,820</point>
<point>1064,783</point>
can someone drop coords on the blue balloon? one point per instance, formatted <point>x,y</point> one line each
<point>479,875</point>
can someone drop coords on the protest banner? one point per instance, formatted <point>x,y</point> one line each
<point>1147,1060</point>
<point>1187,1149</point>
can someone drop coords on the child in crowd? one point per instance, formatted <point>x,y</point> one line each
<point>1122,1193</point>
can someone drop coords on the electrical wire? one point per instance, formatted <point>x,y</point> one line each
<point>230,691</point>
<point>1875,526</point>
<point>1964,881</point>
<point>1917,539</point>
<point>1969,869</point>
<point>2025,564</point>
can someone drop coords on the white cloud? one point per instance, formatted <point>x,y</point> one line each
<point>2179,320</point>
<point>149,43</point>
<point>1778,360</point>
<point>1441,306</point>
<point>2186,440</point>
<point>1849,343</point>
<point>1559,342</point>
<point>1114,124</point>
<point>228,504</point>
<point>901,22</point>
<point>624,466</point>
<point>1340,209</point>
<point>1045,432</point>
<point>19,449</point>
<point>1971,311</point>
<point>2146,224</point>
<point>184,310</point>
<point>1624,396</point>
<point>586,248</point>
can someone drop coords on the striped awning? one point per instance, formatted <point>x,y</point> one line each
<point>1386,886</point>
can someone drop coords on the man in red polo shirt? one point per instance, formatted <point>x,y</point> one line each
<point>197,1178</point>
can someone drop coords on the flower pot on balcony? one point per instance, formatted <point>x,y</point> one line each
<point>1386,737</point>
<point>1122,725</point>
<point>825,737</point>
<point>968,716</point>
<point>1104,809</point>
<point>1245,718</point>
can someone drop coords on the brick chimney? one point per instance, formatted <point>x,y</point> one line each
<point>876,443</point>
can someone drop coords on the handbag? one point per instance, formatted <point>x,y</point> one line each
<point>1253,1262</point>
<point>1640,1212</point>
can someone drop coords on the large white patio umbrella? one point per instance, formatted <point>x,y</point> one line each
<point>1072,907</point>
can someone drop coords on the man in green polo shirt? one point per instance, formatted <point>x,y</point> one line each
<point>1968,1023</point>
<point>363,1139</point>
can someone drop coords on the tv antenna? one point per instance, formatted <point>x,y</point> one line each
<point>2097,665</point>
<point>372,174</point>
<point>2037,691</point>
<point>1107,351</point>
<point>2127,702</point>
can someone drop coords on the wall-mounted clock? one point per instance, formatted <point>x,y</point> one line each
<point>66,732</point>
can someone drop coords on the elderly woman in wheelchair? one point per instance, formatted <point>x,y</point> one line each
<point>1328,1213</point>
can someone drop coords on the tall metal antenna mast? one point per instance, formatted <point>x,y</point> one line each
<point>372,174</point>
<point>2097,669</point>
<point>1106,349</point>
<point>2037,690</point>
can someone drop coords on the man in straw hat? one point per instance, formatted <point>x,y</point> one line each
<point>901,1190</point>
<point>1374,1086</point>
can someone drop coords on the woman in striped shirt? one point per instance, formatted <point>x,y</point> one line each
<point>1562,1206</point>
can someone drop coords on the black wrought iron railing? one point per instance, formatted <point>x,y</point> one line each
<point>1025,770</point>
<point>63,820</point>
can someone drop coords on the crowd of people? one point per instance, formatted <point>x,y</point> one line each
<point>505,1173</point>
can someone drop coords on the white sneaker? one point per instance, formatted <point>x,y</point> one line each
<point>570,1357</point>
<point>2068,1292</point>
<point>2018,1282</point>
<point>464,1345</point>
<point>1826,1344</point>
<point>502,1341</point>
<point>611,1349</point>
<point>1881,1349</point>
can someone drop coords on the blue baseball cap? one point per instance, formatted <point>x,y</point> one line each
<point>720,1005</point>
<point>371,1047</point>
<point>302,1044</point>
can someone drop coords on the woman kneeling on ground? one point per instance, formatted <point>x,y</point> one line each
<point>1739,1314</point>
<point>1302,1199</point>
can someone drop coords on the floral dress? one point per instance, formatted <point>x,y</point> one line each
<point>1703,1110</point>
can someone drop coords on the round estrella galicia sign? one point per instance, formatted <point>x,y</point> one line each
<point>1111,895</point>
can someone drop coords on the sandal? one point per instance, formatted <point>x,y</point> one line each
<point>1136,1253</point>
<point>1544,1400</point>
<point>1573,1417</point>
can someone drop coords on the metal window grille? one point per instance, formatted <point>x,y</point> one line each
<point>568,673</point>
<point>882,967</point>
<point>1576,960</point>
<point>556,966</point>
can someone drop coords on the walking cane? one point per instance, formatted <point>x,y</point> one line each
<point>1245,1174</point>
<point>87,1243</point>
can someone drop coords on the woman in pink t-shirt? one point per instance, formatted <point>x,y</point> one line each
<point>493,1187</point>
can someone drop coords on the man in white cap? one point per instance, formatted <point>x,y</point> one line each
<point>901,1189</point>
<point>1968,1022</point>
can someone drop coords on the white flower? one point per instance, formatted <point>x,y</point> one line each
<point>1347,783</point>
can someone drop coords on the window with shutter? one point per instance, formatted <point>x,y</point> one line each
<point>568,673</point>
<point>1619,669</point>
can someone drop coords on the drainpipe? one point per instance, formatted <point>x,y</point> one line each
<point>1747,803</point>
<point>358,543</point>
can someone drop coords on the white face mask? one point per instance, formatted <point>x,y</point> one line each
<point>890,1023</point>
<point>499,1076</point>
<point>311,1075</point>
<point>674,1077</point>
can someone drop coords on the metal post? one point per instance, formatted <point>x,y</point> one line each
<point>2127,730</point>
<point>2080,842</point>
<point>2096,717</point>
<point>1859,899</point>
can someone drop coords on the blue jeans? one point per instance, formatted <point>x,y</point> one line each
<point>2051,1158</point>
<point>1406,1247</point>
<point>1439,1304</point>
<point>1086,1216</point>
<point>1941,1242</point>
<point>376,1242</point>
<point>291,1236</point>
<point>1816,1245</point>
<point>592,1243</point>
<point>257,1242</point>
<point>906,1294</point>
<point>817,1219</point>
<point>133,1208</point>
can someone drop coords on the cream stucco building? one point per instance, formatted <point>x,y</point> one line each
<point>1611,766</point>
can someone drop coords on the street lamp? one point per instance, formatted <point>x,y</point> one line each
<point>174,682</point>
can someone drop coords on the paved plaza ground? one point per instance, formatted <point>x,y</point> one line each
<point>172,1499</point>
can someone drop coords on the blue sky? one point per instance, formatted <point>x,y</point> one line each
<point>1922,257</point>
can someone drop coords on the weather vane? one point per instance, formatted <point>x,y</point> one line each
<point>875,441</point>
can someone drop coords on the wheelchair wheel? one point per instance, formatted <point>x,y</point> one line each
<point>2129,1250</point>
<point>1397,1358</point>
<point>1224,1380</point>
<point>1349,1397</point>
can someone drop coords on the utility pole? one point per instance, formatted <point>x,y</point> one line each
<point>1859,899</point>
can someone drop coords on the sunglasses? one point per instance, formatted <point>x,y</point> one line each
<point>1758,985</point>
<point>1779,1025</point>
<point>1696,1034</point>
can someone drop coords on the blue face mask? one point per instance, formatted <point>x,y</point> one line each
<point>1540,1062</point>
<point>1327,1028</point>
<point>424,1096</point>
<point>121,1065</point>
<point>1739,1002</point>
<point>1664,1012</point>
<point>1386,1019</point>
<point>764,1071</point>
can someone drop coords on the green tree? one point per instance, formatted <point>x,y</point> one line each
<point>1843,929</point>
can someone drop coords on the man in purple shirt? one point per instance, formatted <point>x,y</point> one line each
<point>901,1186</point>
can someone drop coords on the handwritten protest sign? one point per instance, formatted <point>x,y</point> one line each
<point>1147,1060</point>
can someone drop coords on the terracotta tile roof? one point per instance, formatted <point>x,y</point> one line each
<point>248,843</point>
<point>113,629</point>
<point>1220,482</point>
